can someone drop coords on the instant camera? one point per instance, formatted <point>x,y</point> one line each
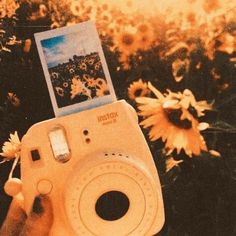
<point>95,166</point>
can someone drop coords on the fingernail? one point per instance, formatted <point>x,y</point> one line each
<point>37,206</point>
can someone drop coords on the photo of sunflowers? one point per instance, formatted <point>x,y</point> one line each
<point>75,70</point>
<point>79,80</point>
<point>173,61</point>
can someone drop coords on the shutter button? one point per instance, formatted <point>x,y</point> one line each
<point>44,186</point>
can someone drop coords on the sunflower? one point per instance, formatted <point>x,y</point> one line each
<point>91,61</point>
<point>86,59</point>
<point>102,88</point>
<point>191,18</point>
<point>103,18</point>
<point>72,71</point>
<point>60,91</point>
<point>145,41</point>
<point>143,28</point>
<point>180,68</point>
<point>179,48</point>
<point>100,82</point>
<point>55,25</point>
<point>87,92</point>
<point>98,66</point>
<point>210,6</point>
<point>79,88</point>
<point>11,149</point>
<point>111,29</point>
<point>76,87</point>
<point>65,84</point>
<point>173,118</point>
<point>91,83</point>
<point>145,36</point>
<point>76,8</point>
<point>13,99</point>
<point>138,89</point>
<point>54,75</point>
<point>83,66</point>
<point>227,43</point>
<point>86,77</point>
<point>127,42</point>
<point>40,13</point>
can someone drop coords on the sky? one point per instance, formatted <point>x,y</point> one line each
<point>61,48</point>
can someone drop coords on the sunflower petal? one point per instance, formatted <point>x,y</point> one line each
<point>203,126</point>
<point>214,153</point>
<point>171,104</point>
<point>145,100</point>
<point>158,94</point>
<point>150,121</point>
<point>171,163</point>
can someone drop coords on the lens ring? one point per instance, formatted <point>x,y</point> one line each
<point>111,175</point>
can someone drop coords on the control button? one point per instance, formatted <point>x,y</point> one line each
<point>44,186</point>
<point>35,155</point>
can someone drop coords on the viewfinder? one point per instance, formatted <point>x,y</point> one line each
<point>59,144</point>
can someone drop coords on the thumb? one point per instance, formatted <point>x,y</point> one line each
<point>40,220</point>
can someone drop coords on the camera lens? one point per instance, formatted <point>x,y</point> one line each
<point>112,205</point>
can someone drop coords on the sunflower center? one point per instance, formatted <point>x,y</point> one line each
<point>127,39</point>
<point>144,39</point>
<point>143,28</point>
<point>138,92</point>
<point>193,112</point>
<point>174,115</point>
<point>106,92</point>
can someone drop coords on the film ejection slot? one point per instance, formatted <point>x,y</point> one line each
<point>59,144</point>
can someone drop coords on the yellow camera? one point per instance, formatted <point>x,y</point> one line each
<point>97,169</point>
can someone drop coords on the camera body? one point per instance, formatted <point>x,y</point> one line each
<point>91,164</point>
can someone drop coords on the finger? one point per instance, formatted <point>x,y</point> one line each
<point>40,219</point>
<point>15,219</point>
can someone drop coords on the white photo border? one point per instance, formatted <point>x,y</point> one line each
<point>90,27</point>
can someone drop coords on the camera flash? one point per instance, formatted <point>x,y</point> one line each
<point>59,144</point>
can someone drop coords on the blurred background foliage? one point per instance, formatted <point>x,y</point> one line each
<point>176,46</point>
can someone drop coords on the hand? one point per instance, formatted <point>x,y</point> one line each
<point>39,221</point>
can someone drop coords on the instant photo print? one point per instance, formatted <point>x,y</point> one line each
<point>75,69</point>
